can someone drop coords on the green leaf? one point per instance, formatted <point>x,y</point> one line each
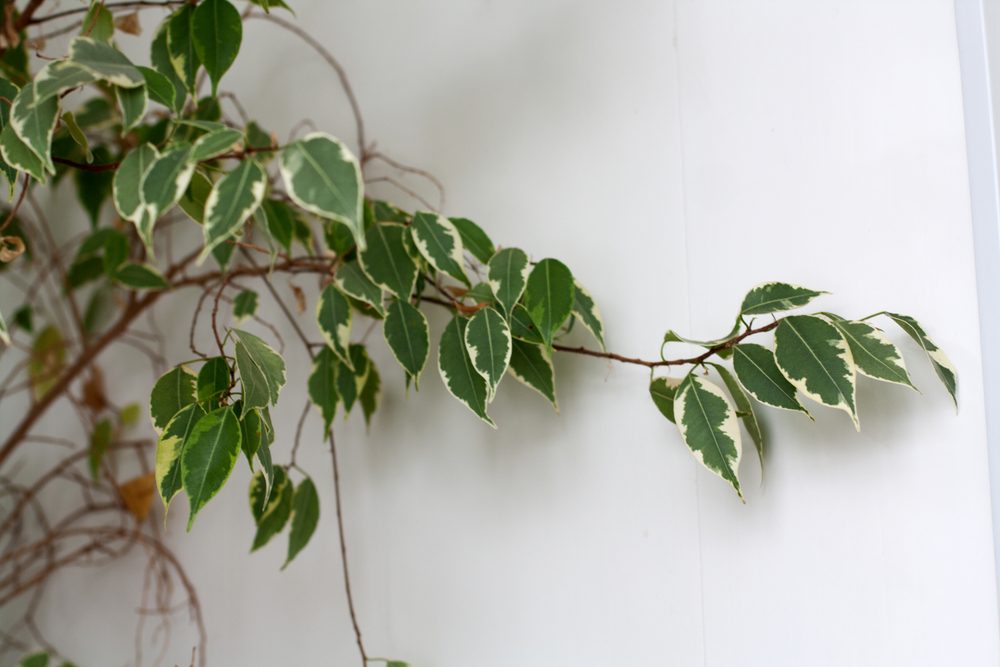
<point>531,365</point>
<point>262,370</point>
<point>213,379</point>
<point>942,365</point>
<point>386,261</point>
<point>474,239</point>
<point>46,360</point>
<point>548,297</point>
<point>323,177</point>
<point>459,375</point>
<point>244,305</point>
<point>522,327</point>
<point>874,355</point>
<point>351,379</point>
<point>129,414</point>
<point>100,440</point>
<point>18,155</point>
<point>439,243</point>
<point>8,91</point>
<point>708,427</point>
<point>744,410</point>
<point>105,62</point>
<point>333,315</point>
<point>164,182</point>
<point>159,57</point>
<point>141,276</point>
<point>196,196</point>
<point>215,143</point>
<point>508,275</point>
<point>133,103</point>
<point>770,298</point>
<point>353,282</point>
<point>587,313</point>
<point>305,515</point>
<point>77,134</point>
<point>759,374</point>
<point>251,434</point>
<point>663,391</point>
<point>815,358</point>
<point>487,338</point>
<point>406,331</point>
<point>173,391</point>
<point>217,31</point>
<point>280,221</point>
<point>209,457</point>
<point>371,392</point>
<point>180,47</point>
<point>232,201</point>
<point>160,88</point>
<point>127,183</point>
<point>98,23</point>
<point>35,660</point>
<point>34,121</point>
<point>323,386</point>
<point>59,76</point>
<point>93,188</point>
<point>272,514</point>
<point>169,449</point>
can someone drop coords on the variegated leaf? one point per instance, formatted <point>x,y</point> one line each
<point>371,392</point>
<point>126,187</point>
<point>439,243</point>
<point>18,155</point>
<point>775,298</point>
<point>233,200</point>
<point>587,313</point>
<point>333,315</point>
<point>105,62</point>
<point>759,374</point>
<point>262,370</point>
<point>169,449</point>
<point>408,336</point>
<point>459,375</point>
<point>323,177</point>
<point>813,356</point>
<point>707,423</point>
<point>209,457</point>
<point>180,46</point>
<point>353,282</point>
<point>508,275</point>
<point>59,76</point>
<point>174,390</point>
<point>4,332</point>
<point>744,410</point>
<point>487,338</point>
<point>34,121</point>
<point>874,354</point>
<point>214,143</point>
<point>939,360</point>
<point>165,180</point>
<point>386,261</point>
<point>531,365</point>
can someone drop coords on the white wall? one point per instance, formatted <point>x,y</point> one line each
<point>673,154</point>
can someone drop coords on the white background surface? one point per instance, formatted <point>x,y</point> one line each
<point>673,154</point>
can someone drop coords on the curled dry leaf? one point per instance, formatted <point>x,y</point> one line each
<point>137,494</point>
<point>300,297</point>
<point>93,391</point>
<point>11,247</point>
<point>129,23</point>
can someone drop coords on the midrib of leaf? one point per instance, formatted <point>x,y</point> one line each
<point>767,377</point>
<point>211,456</point>
<point>715,440</point>
<point>818,362</point>
<point>243,180</point>
<point>322,174</point>
<point>406,330</point>
<point>388,253</point>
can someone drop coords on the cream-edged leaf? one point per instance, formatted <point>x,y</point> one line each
<point>34,121</point>
<point>353,282</point>
<point>323,177</point>
<point>214,143</point>
<point>209,457</point>
<point>508,275</point>
<point>548,297</point>
<point>459,375</point>
<point>105,62</point>
<point>173,391</point>
<point>232,201</point>
<point>386,261</point>
<point>333,315</point>
<point>945,370</point>
<point>874,355</point>
<point>531,365</point>
<point>587,313</point>
<point>126,186</point>
<point>759,374</point>
<point>663,391</point>
<point>813,355</point>
<point>708,426</point>
<point>439,242</point>
<point>169,449</point>
<point>323,386</point>
<point>406,331</point>
<point>488,340</point>
<point>744,410</point>
<point>776,297</point>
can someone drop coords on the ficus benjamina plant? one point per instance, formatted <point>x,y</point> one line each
<point>157,156</point>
